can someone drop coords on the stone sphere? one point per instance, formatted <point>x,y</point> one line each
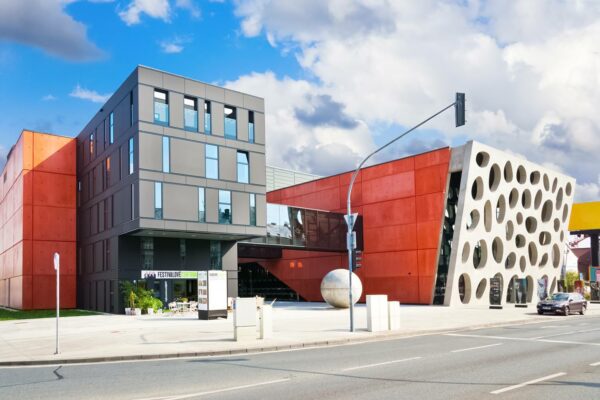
<point>334,288</point>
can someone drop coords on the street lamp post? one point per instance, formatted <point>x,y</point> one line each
<point>459,105</point>
<point>57,268</point>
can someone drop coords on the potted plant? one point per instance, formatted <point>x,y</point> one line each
<point>130,298</point>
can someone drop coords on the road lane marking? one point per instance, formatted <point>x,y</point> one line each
<point>475,348</point>
<point>229,389</point>
<point>567,333</point>
<point>596,364</point>
<point>520,385</point>
<point>522,339</point>
<point>382,363</point>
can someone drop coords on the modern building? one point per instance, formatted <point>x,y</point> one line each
<point>37,218</point>
<point>279,178</point>
<point>454,226</point>
<point>170,175</point>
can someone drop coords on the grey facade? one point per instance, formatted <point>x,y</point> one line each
<point>142,170</point>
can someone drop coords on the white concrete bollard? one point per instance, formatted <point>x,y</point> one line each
<point>266,321</point>
<point>393,315</point>
<point>244,319</point>
<point>377,313</point>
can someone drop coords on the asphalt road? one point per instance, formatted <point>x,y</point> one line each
<point>556,359</point>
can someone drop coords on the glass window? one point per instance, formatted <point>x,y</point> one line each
<point>161,107</point>
<point>230,122</point>
<point>190,114</point>
<point>111,129</point>
<point>212,161</point>
<point>251,126</point>
<point>224,207</point>
<point>201,205</point>
<point>252,209</point>
<point>131,108</point>
<point>131,155</point>
<point>215,255</point>
<point>207,121</point>
<point>107,171</point>
<point>166,154</point>
<point>242,167</point>
<point>92,143</point>
<point>147,252</point>
<point>158,200</point>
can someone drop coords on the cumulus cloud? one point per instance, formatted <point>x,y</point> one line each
<point>91,95</point>
<point>530,71</point>
<point>174,46</point>
<point>190,6</point>
<point>159,9</point>
<point>46,25</point>
<point>49,97</point>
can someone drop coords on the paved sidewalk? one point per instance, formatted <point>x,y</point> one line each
<point>119,337</point>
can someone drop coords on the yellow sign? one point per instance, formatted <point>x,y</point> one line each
<point>585,217</point>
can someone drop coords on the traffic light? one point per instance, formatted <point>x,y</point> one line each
<point>357,255</point>
<point>459,109</point>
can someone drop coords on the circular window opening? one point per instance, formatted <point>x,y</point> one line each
<point>547,211</point>
<point>477,189</point>
<point>510,230</point>
<point>520,241</point>
<point>521,175</point>
<point>495,177</point>
<point>482,158</point>
<point>546,182</point>
<point>545,238</point>
<point>487,216</point>
<point>554,184</point>
<point>538,199</point>
<point>556,224</point>
<point>464,288</point>
<point>534,178</point>
<point>473,220</point>
<point>552,286</point>
<point>569,189</point>
<point>466,252</point>
<point>533,253</point>
<point>513,198</point>
<point>531,224</point>
<point>519,218</point>
<point>565,213</point>
<point>555,256</point>
<point>559,199</point>
<point>511,260</point>
<point>500,209</point>
<point>522,263</point>
<point>529,289</point>
<point>479,254</point>
<point>508,172</point>
<point>526,199</point>
<point>544,260</point>
<point>562,236</point>
<point>481,288</point>
<point>497,250</point>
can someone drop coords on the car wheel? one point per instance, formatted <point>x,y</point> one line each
<point>566,311</point>
<point>582,310</point>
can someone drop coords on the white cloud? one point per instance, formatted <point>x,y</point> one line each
<point>49,97</point>
<point>46,25</point>
<point>91,95</point>
<point>175,45</point>
<point>531,72</point>
<point>159,9</point>
<point>190,6</point>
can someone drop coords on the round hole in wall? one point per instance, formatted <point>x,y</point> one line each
<point>482,158</point>
<point>510,230</point>
<point>526,198</point>
<point>497,249</point>
<point>472,220</point>
<point>487,216</point>
<point>552,286</point>
<point>569,189</point>
<point>508,172</point>
<point>522,263</point>
<point>538,199</point>
<point>559,198</point>
<point>531,225</point>
<point>481,288</point>
<point>565,213</point>
<point>554,185</point>
<point>544,260</point>
<point>495,177</point>
<point>520,241</point>
<point>545,238</point>
<point>556,224</point>
<point>546,182</point>
<point>500,209</point>
<point>532,251</point>
<point>513,198</point>
<point>555,256</point>
<point>466,252</point>
<point>477,189</point>
<point>562,236</point>
<point>511,260</point>
<point>464,288</point>
<point>534,177</point>
<point>521,175</point>
<point>480,254</point>
<point>547,211</point>
<point>519,218</point>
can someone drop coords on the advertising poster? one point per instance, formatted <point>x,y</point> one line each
<point>495,291</point>
<point>520,288</point>
<point>217,293</point>
<point>595,291</point>
<point>543,288</point>
<point>153,274</point>
<point>203,290</point>
<point>578,288</point>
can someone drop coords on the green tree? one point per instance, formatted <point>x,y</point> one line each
<point>570,279</point>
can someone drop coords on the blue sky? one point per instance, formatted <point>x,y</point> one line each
<point>339,77</point>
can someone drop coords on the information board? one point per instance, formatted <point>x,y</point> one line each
<point>203,290</point>
<point>495,291</point>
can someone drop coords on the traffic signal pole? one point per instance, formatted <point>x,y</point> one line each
<point>459,105</point>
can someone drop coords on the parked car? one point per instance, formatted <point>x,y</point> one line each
<point>563,303</point>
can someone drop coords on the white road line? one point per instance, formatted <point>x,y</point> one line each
<point>475,348</point>
<point>383,363</point>
<point>596,364</point>
<point>198,394</point>
<point>567,333</point>
<point>520,385</point>
<point>523,339</point>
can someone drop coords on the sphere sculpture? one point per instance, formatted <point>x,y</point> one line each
<point>334,288</point>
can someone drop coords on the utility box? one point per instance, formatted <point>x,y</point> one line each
<point>393,315</point>
<point>377,313</point>
<point>244,319</point>
<point>266,321</point>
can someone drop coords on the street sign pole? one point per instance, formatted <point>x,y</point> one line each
<point>350,244</point>
<point>57,269</point>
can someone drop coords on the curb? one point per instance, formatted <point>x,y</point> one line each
<point>389,335</point>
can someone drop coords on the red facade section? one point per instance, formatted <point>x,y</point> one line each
<point>37,218</point>
<point>402,203</point>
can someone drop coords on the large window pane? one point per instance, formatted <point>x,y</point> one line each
<point>201,205</point>
<point>190,114</point>
<point>252,209</point>
<point>212,161</point>
<point>207,121</point>
<point>111,125</point>
<point>166,154</point>
<point>131,160</point>
<point>251,126</point>
<point>158,200</point>
<point>230,122</point>
<point>242,167</point>
<point>161,107</point>
<point>225,207</point>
